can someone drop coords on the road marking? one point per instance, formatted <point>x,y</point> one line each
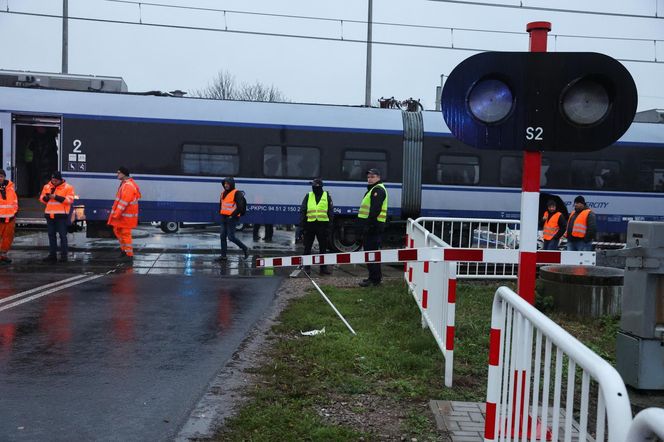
<point>52,290</point>
<point>40,288</point>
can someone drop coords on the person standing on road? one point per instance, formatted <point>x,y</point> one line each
<point>124,213</point>
<point>8,210</point>
<point>58,196</point>
<point>581,227</point>
<point>232,206</point>
<point>554,226</point>
<point>316,217</point>
<point>373,215</point>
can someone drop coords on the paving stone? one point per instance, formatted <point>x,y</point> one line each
<point>466,433</point>
<point>472,427</point>
<point>457,413</point>
<point>452,426</point>
<point>465,418</point>
<point>477,417</point>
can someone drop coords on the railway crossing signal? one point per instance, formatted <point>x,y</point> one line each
<point>539,101</point>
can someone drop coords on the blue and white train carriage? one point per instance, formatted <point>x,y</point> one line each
<point>178,149</point>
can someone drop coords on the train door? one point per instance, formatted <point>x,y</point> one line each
<point>5,143</point>
<point>36,147</point>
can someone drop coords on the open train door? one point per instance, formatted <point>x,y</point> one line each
<point>35,156</point>
<point>6,143</point>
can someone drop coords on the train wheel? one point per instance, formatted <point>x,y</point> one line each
<point>345,238</point>
<point>169,226</point>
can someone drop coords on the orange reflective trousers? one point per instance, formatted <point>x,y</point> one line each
<point>123,234</point>
<point>6,236</point>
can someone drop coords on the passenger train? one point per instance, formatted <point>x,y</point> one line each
<point>178,149</point>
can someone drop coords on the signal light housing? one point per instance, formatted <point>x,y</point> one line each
<point>556,101</point>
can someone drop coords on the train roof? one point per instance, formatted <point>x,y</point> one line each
<point>142,107</point>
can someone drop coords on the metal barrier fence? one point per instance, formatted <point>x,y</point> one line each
<point>478,233</point>
<point>646,425</point>
<point>530,360</point>
<point>433,285</point>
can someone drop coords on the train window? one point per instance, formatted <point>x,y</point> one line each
<point>205,159</point>
<point>458,169</point>
<point>511,171</point>
<point>651,176</point>
<point>595,174</point>
<point>356,163</point>
<point>291,161</point>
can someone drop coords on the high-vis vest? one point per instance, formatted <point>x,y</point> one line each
<point>228,205</point>
<point>580,224</point>
<point>125,208</point>
<point>54,207</point>
<point>550,225</point>
<point>366,205</point>
<point>8,205</point>
<point>317,212</point>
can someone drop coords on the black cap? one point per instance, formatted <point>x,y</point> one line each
<point>317,182</point>
<point>579,199</point>
<point>2,172</point>
<point>123,170</point>
<point>373,171</point>
<point>57,175</point>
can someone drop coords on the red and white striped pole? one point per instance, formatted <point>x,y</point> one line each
<point>530,187</point>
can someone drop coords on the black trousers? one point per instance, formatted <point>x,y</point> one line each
<point>319,231</point>
<point>372,241</point>
<point>57,227</point>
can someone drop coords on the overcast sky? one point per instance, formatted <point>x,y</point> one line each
<point>326,70</point>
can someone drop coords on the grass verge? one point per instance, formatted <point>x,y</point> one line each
<point>375,385</point>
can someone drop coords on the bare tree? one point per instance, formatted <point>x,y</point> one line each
<point>224,87</point>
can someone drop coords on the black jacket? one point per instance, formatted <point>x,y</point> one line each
<point>303,211</point>
<point>240,202</point>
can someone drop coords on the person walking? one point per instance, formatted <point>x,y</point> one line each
<point>581,227</point>
<point>8,210</point>
<point>232,206</point>
<point>554,227</point>
<point>373,215</point>
<point>124,213</point>
<point>316,218</point>
<point>58,196</point>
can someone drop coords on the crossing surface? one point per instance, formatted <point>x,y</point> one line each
<point>119,356</point>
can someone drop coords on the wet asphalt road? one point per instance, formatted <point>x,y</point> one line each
<point>123,356</point>
<point>124,352</point>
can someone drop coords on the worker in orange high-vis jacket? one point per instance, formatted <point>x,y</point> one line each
<point>8,210</point>
<point>232,206</point>
<point>554,225</point>
<point>581,227</point>
<point>58,196</point>
<point>124,214</point>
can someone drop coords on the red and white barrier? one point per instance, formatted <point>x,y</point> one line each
<point>436,254</point>
<point>525,395</point>
<point>433,285</point>
<point>476,233</point>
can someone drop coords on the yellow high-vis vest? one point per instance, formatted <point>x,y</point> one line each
<point>317,212</point>
<point>366,204</point>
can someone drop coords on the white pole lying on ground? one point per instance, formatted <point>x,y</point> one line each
<point>330,302</point>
